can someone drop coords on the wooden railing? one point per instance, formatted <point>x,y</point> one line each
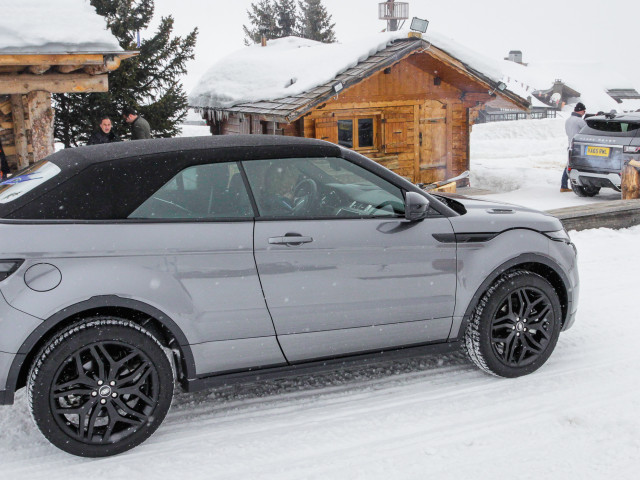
<point>393,11</point>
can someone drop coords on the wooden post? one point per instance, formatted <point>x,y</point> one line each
<point>41,116</point>
<point>19,131</point>
<point>631,181</point>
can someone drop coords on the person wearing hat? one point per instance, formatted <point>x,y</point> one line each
<point>140,129</point>
<point>572,126</point>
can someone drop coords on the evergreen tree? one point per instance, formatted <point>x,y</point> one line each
<point>315,22</point>
<point>286,18</point>
<point>148,82</point>
<point>262,17</point>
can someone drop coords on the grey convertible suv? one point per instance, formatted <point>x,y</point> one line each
<point>127,268</point>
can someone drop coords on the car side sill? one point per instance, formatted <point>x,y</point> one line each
<point>318,366</point>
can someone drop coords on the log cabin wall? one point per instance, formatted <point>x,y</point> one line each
<point>420,125</point>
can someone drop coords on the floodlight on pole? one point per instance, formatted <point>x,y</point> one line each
<point>419,25</point>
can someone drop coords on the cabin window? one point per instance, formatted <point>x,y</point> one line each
<point>357,133</point>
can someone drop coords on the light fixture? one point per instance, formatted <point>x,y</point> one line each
<point>500,86</point>
<point>437,81</point>
<point>337,87</point>
<point>419,24</point>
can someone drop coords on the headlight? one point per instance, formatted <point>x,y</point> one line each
<point>558,236</point>
<point>7,267</point>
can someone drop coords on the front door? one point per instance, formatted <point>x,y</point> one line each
<point>432,138</point>
<point>341,269</point>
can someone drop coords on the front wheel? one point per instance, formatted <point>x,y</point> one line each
<point>515,326</point>
<point>100,388</point>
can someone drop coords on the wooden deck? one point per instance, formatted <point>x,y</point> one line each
<point>614,214</point>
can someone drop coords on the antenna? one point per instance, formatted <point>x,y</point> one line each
<point>395,13</point>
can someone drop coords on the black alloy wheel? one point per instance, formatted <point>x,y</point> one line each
<point>101,387</point>
<point>522,327</point>
<point>515,326</point>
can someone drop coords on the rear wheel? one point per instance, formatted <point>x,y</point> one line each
<point>585,191</point>
<point>515,326</point>
<point>100,387</point>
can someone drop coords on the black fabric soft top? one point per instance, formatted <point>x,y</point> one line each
<point>236,146</point>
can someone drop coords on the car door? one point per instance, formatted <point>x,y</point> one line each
<point>203,222</point>
<point>341,269</point>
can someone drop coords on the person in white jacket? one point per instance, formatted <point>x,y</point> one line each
<point>572,126</point>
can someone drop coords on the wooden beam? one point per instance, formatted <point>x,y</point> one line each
<point>41,116</point>
<point>6,125</point>
<point>54,83</point>
<point>19,131</point>
<point>65,59</point>
<point>11,149</point>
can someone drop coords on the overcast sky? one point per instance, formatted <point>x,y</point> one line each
<point>558,30</point>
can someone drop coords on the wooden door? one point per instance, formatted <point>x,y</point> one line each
<point>433,144</point>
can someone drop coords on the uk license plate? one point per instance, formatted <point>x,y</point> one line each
<point>598,151</point>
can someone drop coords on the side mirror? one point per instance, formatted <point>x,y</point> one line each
<point>415,206</point>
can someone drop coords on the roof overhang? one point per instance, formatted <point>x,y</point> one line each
<point>58,72</point>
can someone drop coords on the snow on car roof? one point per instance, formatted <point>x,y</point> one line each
<point>63,26</point>
<point>289,66</point>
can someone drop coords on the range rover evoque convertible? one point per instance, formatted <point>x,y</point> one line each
<point>127,269</point>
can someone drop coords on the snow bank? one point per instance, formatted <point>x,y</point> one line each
<point>63,26</point>
<point>523,162</point>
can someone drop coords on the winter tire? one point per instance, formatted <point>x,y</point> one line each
<point>100,387</point>
<point>515,326</point>
<point>585,191</point>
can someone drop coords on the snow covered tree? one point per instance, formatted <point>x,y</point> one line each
<point>286,17</point>
<point>148,82</point>
<point>262,17</point>
<point>282,18</point>
<point>315,22</point>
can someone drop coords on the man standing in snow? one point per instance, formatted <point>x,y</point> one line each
<point>140,129</point>
<point>104,134</point>
<point>572,126</point>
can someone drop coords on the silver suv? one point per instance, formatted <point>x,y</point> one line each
<point>599,152</point>
<point>127,268</point>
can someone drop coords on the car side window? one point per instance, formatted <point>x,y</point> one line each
<point>212,191</point>
<point>321,188</point>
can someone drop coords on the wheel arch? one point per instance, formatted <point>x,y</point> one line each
<point>546,267</point>
<point>162,326</point>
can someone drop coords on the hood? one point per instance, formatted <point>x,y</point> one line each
<point>483,216</point>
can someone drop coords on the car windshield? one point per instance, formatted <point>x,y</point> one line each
<point>26,180</point>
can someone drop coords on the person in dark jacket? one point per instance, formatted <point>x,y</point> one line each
<point>104,134</point>
<point>4,165</point>
<point>140,129</point>
<point>572,126</point>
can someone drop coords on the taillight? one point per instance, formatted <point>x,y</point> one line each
<point>7,267</point>
<point>631,149</point>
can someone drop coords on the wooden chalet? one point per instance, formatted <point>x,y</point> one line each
<point>37,66</point>
<point>410,107</point>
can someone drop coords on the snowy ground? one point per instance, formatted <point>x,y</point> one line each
<point>439,416</point>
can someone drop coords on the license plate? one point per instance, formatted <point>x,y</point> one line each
<point>598,151</point>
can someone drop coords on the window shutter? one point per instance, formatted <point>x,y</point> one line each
<point>395,135</point>
<point>327,129</point>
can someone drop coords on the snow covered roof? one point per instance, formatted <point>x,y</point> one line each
<point>292,72</point>
<point>54,27</point>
